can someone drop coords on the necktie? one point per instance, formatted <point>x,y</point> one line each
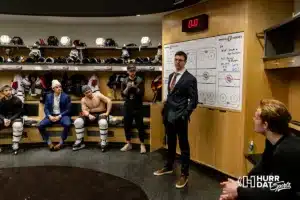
<point>172,84</point>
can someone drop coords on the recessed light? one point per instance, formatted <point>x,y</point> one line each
<point>138,15</point>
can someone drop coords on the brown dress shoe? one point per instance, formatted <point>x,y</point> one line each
<point>58,147</point>
<point>182,181</point>
<point>51,147</point>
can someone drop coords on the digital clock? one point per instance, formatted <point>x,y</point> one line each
<point>194,24</point>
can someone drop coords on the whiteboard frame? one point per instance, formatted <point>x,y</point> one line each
<point>221,109</point>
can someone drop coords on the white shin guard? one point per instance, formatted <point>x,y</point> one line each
<point>79,129</point>
<point>103,125</point>
<point>17,134</point>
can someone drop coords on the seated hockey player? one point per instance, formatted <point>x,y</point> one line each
<point>57,110</point>
<point>95,109</point>
<point>11,110</point>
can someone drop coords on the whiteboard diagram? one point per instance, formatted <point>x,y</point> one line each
<point>206,79</point>
<point>191,64</point>
<point>217,63</point>
<point>207,58</point>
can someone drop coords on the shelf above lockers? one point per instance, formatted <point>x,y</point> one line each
<point>71,47</point>
<point>78,67</point>
<point>289,60</point>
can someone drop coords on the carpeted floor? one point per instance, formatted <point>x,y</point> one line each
<point>203,184</point>
<point>62,183</point>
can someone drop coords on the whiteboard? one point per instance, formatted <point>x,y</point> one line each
<point>217,63</point>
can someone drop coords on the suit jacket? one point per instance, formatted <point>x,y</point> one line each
<point>64,104</point>
<point>182,100</point>
<point>283,160</point>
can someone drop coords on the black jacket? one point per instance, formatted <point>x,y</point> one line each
<point>135,95</point>
<point>182,100</point>
<point>11,109</point>
<point>283,160</point>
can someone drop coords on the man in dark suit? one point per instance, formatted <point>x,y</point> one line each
<point>182,99</point>
<point>57,110</point>
<point>280,159</point>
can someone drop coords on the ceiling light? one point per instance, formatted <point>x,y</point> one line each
<point>138,15</point>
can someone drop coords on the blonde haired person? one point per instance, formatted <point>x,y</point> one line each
<point>280,158</point>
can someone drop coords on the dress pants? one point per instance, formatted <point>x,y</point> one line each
<point>131,113</point>
<point>178,128</point>
<point>65,121</point>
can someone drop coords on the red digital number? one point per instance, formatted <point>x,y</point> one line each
<point>193,23</point>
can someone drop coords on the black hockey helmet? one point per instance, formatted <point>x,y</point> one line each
<point>17,40</point>
<point>53,41</point>
<point>109,42</point>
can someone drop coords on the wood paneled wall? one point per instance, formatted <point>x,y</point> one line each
<point>260,83</point>
<point>220,139</point>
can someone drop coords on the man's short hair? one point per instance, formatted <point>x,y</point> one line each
<point>181,53</point>
<point>85,88</point>
<point>4,87</point>
<point>276,114</point>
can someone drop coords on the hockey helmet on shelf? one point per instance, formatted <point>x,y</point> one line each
<point>17,41</point>
<point>5,39</point>
<point>41,60</point>
<point>78,43</point>
<point>50,60</point>
<point>93,60</point>
<point>100,42</point>
<point>109,42</point>
<point>52,41</point>
<point>145,42</point>
<point>29,60</point>
<point>65,41</point>
<point>139,60</point>
<point>61,60</point>
<point>85,61</point>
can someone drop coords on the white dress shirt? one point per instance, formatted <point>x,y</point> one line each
<point>178,76</point>
<point>56,101</point>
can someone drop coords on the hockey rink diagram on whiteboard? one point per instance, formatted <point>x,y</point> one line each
<point>206,75</point>
<point>229,87</point>
<point>229,71</point>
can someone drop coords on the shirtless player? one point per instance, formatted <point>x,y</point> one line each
<point>95,108</point>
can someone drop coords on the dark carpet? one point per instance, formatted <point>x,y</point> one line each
<point>62,183</point>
